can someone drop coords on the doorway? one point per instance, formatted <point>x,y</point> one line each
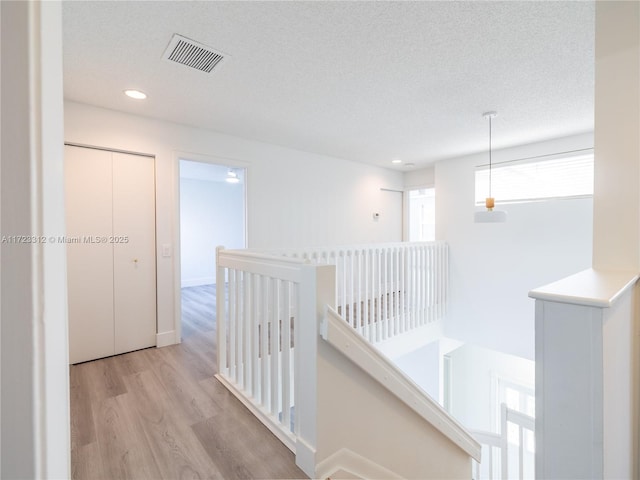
<point>421,214</point>
<point>212,214</point>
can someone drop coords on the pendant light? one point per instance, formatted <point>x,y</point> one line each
<point>490,215</point>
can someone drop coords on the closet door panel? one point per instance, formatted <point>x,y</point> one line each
<point>88,203</point>
<point>134,273</point>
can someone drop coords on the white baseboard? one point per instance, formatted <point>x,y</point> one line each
<point>166,338</point>
<point>196,282</point>
<point>355,465</point>
<point>305,457</point>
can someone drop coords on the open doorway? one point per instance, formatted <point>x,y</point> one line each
<point>422,214</point>
<point>212,213</point>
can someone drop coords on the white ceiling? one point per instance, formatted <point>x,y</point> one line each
<point>366,81</point>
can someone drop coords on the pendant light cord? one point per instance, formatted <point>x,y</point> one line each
<point>489,156</point>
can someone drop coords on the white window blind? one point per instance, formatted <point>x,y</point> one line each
<point>537,179</point>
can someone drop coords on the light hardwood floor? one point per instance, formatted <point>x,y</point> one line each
<point>159,413</point>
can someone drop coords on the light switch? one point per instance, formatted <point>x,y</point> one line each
<point>166,249</point>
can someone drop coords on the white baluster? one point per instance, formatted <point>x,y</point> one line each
<point>255,356</point>
<point>286,357</point>
<point>365,288</point>
<point>378,283</point>
<point>275,347</point>
<point>384,278</point>
<point>239,329</point>
<point>265,396</point>
<point>403,287</point>
<point>358,287</point>
<point>221,316</point>
<point>232,324</point>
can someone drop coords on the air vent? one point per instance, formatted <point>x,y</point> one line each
<point>193,54</point>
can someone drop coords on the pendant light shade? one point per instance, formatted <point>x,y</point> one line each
<point>490,215</point>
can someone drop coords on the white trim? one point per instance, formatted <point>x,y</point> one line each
<point>35,386</point>
<point>355,347</point>
<point>591,288</point>
<point>166,338</point>
<point>108,149</point>
<point>305,456</point>
<point>176,260</point>
<point>405,215</point>
<point>267,419</point>
<point>284,268</point>
<point>354,464</point>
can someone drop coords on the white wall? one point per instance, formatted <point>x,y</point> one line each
<point>35,367</point>
<point>294,198</point>
<point>617,134</point>
<point>211,214</point>
<point>423,367</point>
<point>388,432</point>
<point>494,266</point>
<point>425,177</point>
<point>473,373</point>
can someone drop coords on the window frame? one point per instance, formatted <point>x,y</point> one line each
<point>561,160</point>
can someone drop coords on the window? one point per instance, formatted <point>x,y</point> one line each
<point>521,446</point>
<point>422,215</point>
<point>556,176</point>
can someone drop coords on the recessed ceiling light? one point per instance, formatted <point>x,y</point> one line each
<point>137,94</point>
<point>396,160</point>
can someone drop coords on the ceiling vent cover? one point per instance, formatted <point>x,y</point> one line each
<point>193,54</point>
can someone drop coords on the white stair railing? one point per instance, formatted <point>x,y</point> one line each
<point>268,313</point>
<point>513,445</point>
<point>524,439</point>
<point>384,290</point>
<point>492,447</point>
<point>259,314</point>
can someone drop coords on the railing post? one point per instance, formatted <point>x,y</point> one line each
<point>317,289</point>
<point>220,315</point>
<point>585,364</point>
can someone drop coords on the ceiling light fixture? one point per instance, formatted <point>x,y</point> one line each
<point>490,215</point>
<point>396,160</point>
<point>135,94</point>
<point>232,177</point>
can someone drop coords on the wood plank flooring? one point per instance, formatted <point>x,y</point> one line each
<point>159,413</point>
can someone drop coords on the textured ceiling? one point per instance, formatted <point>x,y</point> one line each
<point>366,81</point>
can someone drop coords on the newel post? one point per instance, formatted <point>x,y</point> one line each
<point>221,320</point>
<point>586,405</point>
<point>317,289</point>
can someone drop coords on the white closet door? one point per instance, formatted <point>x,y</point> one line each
<point>134,273</point>
<point>110,214</point>
<point>89,264</point>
